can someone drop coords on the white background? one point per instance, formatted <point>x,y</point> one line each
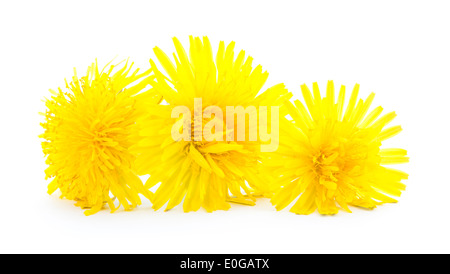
<point>398,49</point>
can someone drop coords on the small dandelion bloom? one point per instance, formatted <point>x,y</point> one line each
<point>205,172</point>
<point>87,131</point>
<point>330,157</point>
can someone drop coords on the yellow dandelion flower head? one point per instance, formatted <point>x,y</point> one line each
<point>87,136</point>
<point>330,157</point>
<point>205,172</point>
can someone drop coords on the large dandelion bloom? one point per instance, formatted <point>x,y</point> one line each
<point>330,158</point>
<point>206,172</point>
<point>87,131</point>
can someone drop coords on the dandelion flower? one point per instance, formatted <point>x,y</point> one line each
<point>330,158</point>
<point>204,172</point>
<point>87,131</point>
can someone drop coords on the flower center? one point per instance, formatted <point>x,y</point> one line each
<point>326,166</point>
